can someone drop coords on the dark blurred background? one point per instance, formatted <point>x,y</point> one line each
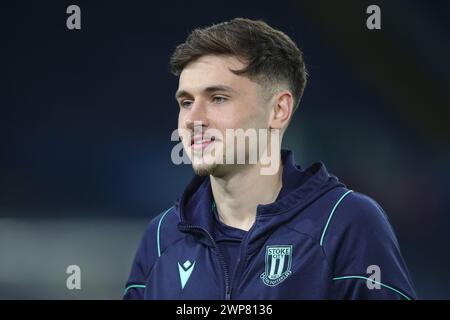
<point>86,117</point>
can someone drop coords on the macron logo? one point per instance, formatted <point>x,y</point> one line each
<point>185,271</point>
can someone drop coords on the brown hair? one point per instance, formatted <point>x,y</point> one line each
<point>271,56</point>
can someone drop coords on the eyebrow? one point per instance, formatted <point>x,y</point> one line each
<point>210,89</point>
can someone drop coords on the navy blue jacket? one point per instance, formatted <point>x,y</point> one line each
<point>318,240</point>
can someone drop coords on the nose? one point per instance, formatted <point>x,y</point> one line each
<point>196,116</point>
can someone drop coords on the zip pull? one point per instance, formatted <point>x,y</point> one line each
<point>228,293</point>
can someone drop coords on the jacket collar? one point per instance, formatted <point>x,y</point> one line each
<point>300,188</point>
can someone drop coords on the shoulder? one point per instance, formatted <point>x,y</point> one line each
<point>337,211</point>
<point>357,227</point>
<point>161,231</point>
<point>355,214</point>
<point>159,234</point>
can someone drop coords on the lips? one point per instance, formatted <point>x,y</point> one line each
<point>200,142</point>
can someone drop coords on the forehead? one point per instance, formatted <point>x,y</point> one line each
<point>211,69</point>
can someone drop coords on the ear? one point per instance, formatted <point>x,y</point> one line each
<point>282,110</point>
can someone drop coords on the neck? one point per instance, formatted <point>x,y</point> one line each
<point>238,194</point>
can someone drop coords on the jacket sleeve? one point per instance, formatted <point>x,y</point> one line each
<point>144,259</point>
<point>364,253</point>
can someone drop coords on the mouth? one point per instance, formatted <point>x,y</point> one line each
<point>200,142</point>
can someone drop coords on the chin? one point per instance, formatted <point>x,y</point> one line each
<point>204,164</point>
<point>204,169</point>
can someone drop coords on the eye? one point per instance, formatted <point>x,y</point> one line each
<point>185,103</point>
<point>219,99</point>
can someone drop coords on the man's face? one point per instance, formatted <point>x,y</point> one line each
<point>211,95</point>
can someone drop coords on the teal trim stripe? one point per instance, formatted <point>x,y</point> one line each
<point>133,286</point>
<point>158,236</point>
<point>381,284</point>
<point>331,215</point>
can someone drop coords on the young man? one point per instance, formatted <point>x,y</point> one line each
<point>239,233</point>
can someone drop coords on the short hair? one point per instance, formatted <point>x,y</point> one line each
<point>272,57</point>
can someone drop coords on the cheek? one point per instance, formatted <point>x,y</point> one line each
<point>181,119</point>
<point>255,117</point>
<point>240,115</point>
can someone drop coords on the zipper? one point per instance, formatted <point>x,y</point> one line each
<point>219,254</point>
<point>242,259</point>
